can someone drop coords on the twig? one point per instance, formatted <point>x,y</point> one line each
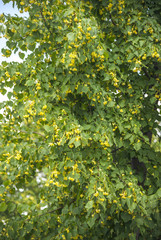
<point>146,73</point>
<point>112,20</point>
<point>115,150</point>
<point>57,209</point>
<point>33,132</point>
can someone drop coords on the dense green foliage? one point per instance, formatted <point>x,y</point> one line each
<point>76,157</point>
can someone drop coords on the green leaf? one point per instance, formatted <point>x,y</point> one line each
<point>158,192</point>
<point>31,47</point>
<point>131,205</point>
<point>9,95</point>
<point>82,58</point>
<point>77,143</point>
<point>132,236</point>
<point>89,205</point>
<point>59,38</point>
<point>139,221</point>
<point>30,83</point>
<point>153,100</point>
<point>141,42</point>
<point>84,141</point>
<point>48,128</point>
<point>29,227</point>
<point>106,54</point>
<point>68,12</point>
<point>106,78</point>
<point>21,55</point>
<point>71,141</point>
<point>125,217</point>
<point>3,206</point>
<point>91,222</point>
<point>11,207</point>
<point>3,91</point>
<point>2,189</point>
<point>120,185</point>
<point>71,36</point>
<point>111,104</point>
<point>30,40</point>
<point>137,146</point>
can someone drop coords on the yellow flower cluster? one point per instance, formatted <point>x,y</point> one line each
<point>109,7</point>
<point>114,79</point>
<point>38,87</point>
<point>105,144</point>
<point>30,112</point>
<point>121,5</point>
<point>7,74</point>
<point>155,54</point>
<point>73,55</point>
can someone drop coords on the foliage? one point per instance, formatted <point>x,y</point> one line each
<point>76,157</point>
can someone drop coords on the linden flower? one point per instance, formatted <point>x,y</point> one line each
<point>77,138</point>
<point>41,113</point>
<point>71,179</point>
<point>63,236</point>
<point>89,29</point>
<point>100,189</point>
<point>7,74</point>
<point>18,156</point>
<point>73,55</point>
<point>76,19</point>
<point>97,210</point>
<point>44,107</point>
<point>105,193</point>
<point>138,62</point>
<point>17,73</point>
<point>144,57</point>
<point>96,194</point>
<point>135,69</point>
<point>110,5</point>
<point>51,144</point>
<point>33,71</point>
<point>102,199</point>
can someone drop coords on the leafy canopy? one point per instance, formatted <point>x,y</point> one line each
<point>76,157</point>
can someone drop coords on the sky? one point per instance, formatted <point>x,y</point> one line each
<point>8,9</point>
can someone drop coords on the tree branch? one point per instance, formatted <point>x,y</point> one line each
<point>112,20</point>
<point>146,73</point>
<point>116,149</point>
<point>34,133</point>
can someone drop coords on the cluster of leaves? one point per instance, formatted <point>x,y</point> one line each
<point>76,158</point>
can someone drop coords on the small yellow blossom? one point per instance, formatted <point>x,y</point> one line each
<point>96,194</point>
